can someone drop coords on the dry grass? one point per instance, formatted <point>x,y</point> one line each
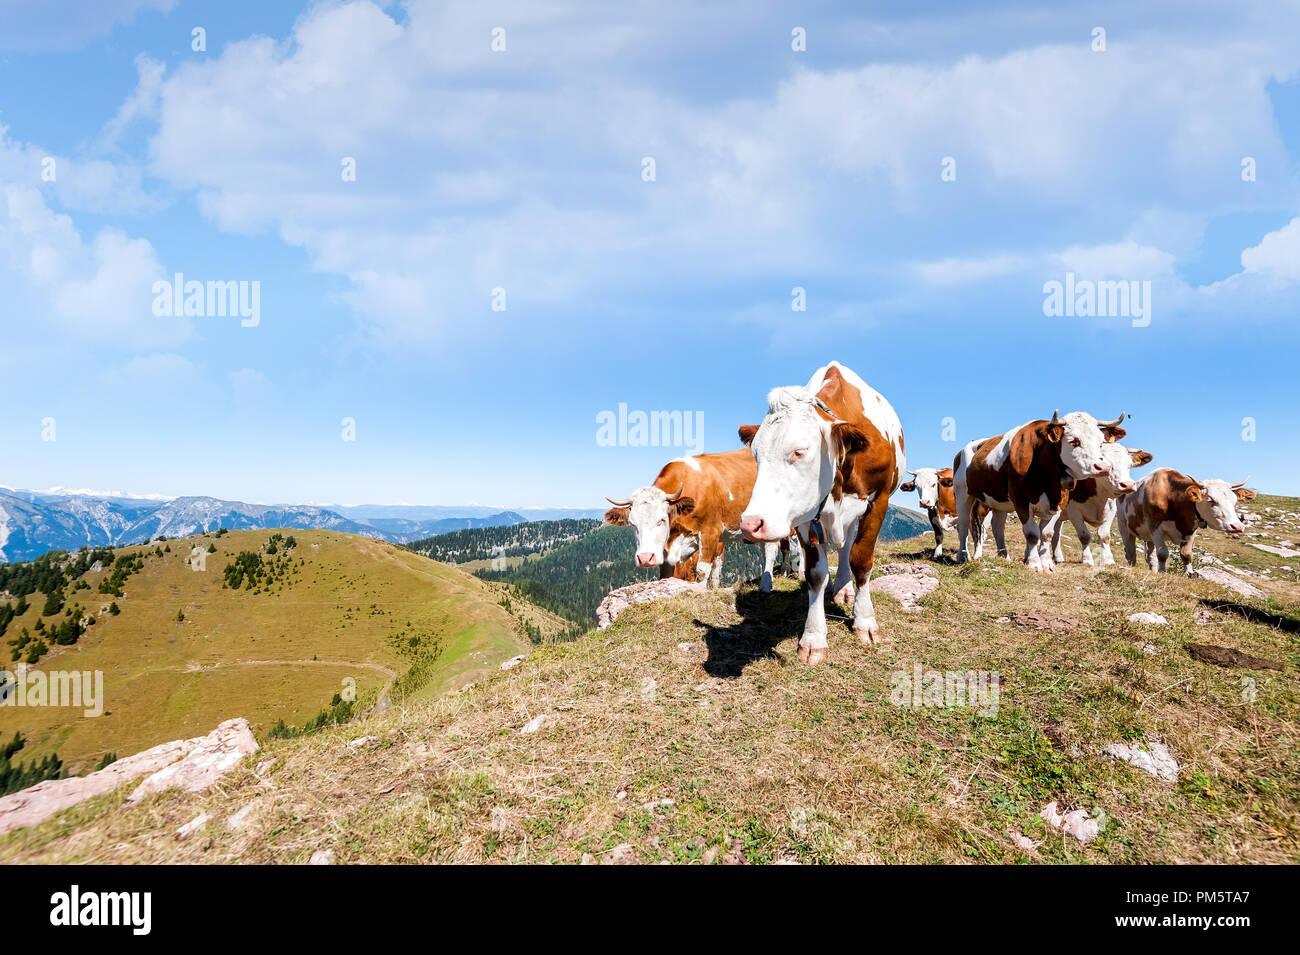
<point>700,701</point>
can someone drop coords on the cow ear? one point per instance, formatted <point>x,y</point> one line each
<point>945,482</point>
<point>1141,457</point>
<point>747,432</point>
<point>616,516</point>
<point>1112,433</point>
<point>682,506</point>
<point>1055,432</point>
<point>846,438</point>
<point>1245,494</point>
<point>1194,493</point>
<point>909,486</point>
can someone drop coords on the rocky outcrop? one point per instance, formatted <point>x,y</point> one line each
<point>1229,581</point>
<point>619,600</point>
<point>190,764</point>
<point>906,583</point>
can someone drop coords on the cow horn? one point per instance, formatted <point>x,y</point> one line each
<point>680,488</point>
<point>1056,417</point>
<point>626,503</point>
<point>911,472</point>
<point>1112,424</point>
<point>1242,484</point>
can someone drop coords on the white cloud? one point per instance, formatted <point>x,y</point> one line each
<point>68,24</point>
<point>1120,260</point>
<point>99,292</point>
<point>1278,253</point>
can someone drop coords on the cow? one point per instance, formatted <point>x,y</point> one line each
<point>684,519</point>
<point>1026,471</point>
<point>1095,502</point>
<point>1170,505</point>
<point>829,455</point>
<point>934,488</point>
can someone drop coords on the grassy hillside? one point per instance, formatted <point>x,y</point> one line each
<point>187,650</point>
<point>688,732</point>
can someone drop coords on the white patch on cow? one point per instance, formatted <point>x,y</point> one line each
<point>681,548</point>
<point>730,496</point>
<point>1002,450</point>
<point>690,462</point>
<point>648,515</point>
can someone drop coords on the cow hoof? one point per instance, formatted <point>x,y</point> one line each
<point>812,655</point>
<point>844,596</point>
<point>872,637</point>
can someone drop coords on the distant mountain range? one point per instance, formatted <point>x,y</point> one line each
<point>33,522</point>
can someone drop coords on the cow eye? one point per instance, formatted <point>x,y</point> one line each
<point>663,520</point>
<point>1075,442</point>
<point>798,453</point>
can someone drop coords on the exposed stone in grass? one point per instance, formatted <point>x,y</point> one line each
<point>1228,657</point>
<point>361,741</point>
<point>194,825</point>
<point>616,601</point>
<point>906,583</point>
<point>1228,581</point>
<point>1153,757</point>
<point>208,760</point>
<point>624,854</point>
<point>514,662</point>
<point>1145,616</point>
<point>1278,551</point>
<point>322,857</point>
<point>533,725</point>
<point>1077,823</point>
<point>193,764</point>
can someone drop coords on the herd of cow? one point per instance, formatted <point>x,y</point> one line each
<point>821,467</point>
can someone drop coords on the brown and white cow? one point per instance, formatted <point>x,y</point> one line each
<point>1170,506</point>
<point>685,518</point>
<point>1095,502</point>
<point>934,489</point>
<point>829,455</point>
<point>1026,471</point>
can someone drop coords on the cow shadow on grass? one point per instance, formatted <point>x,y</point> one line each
<point>766,620</point>
<point>1287,623</point>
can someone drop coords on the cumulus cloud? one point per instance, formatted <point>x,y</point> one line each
<point>1278,253</point>
<point>98,291</point>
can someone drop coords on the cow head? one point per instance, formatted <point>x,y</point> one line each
<point>651,511</point>
<point>1216,503</point>
<point>1079,438</point>
<point>1122,460</point>
<point>798,448</point>
<point>926,483</point>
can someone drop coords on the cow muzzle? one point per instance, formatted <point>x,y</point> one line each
<point>754,530</point>
<point>648,559</point>
<point>1101,469</point>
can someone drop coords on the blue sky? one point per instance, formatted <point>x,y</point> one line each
<point>522,169</point>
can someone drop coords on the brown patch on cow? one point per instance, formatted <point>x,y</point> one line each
<point>1083,491</point>
<point>1228,657</point>
<point>868,467</point>
<point>1032,470</point>
<point>1244,494</point>
<point>747,432</point>
<point>617,516</point>
<point>711,498</point>
<point>1166,496</point>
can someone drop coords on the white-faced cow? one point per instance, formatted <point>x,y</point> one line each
<point>1026,471</point>
<point>1095,502</point>
<point>934,489</point>
<point>829,455</point>
<point>684,519</point>
<point>1170,506</point>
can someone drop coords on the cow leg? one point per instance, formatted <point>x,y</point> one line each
<point>1185,551</point>
<point>1154,546</point>
<point>998,521</point>
<point>769,563</point>
<point>862,560</point>
<point>794,565</point>
<point>1128,538</point>
<point>936,523</point>
<point>843,589</point>
<point>812,645</point>
<point>1033,537</point>
<point>1085,541</point>
<point>709,553</point>
<point>715,579</point>
<point>963,519</point>
<point>1103,533</point>
<point>985,524</point>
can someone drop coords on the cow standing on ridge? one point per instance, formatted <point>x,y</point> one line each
<point>684,519</point>
<point>1095,502</point>
<point>1169,505</point>
<point>829,455</point>
<point>934,489</point>
<point>1027,471</point>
